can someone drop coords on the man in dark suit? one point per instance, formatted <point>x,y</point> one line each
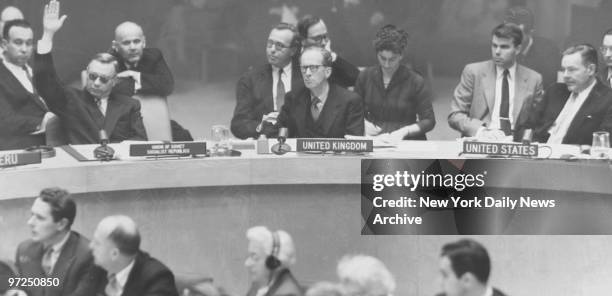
<point>54,251</point>
<point>465,267</point>
<point>606,53</point>
<point>142,70</point>
<point>85,112</point>
<point>129,271</point>
<point>23,113</point>
<point>322,109</point>
<point>569,113</point>
<point>260,92</point>
<point>313,31</point>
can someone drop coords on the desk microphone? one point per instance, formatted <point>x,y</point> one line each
<point>527,136</point>
<point>281,147</point>
<point>104,152</point>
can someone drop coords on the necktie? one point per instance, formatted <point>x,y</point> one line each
<point>315,111</point>
<point>98,102</point>
<point>280,90</point>
<point>112,287</point>
<point>34,89</point>
<point>47,263</point>
<point>504,108</point>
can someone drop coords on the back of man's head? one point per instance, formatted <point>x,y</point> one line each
<point>123,232</point>
<point>520,15</point>
<point>9,13</point>
<point>468,256</point>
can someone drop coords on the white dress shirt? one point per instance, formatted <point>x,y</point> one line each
<point>122,277</point>
<point>558,130</point>
<point>286,78</point>
<point>498,95</point>
<point>57,250</point>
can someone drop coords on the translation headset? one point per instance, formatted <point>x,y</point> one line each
<point>272,261</point>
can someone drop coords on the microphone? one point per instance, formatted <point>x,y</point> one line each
<point>281,147</point>
<point>527,136</point>
<point>104,152</point>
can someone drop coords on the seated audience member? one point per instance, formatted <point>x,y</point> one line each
<point>465,269</point>
<point>325,289</point>
<point>606,53</point>
<point>9,13</point>
<point>129,271</point>
<point>494,96</point>
<point>363,275</point>
<point>322,109</point>
<point>260,92</point>
<point>23,113</point>
<point>270,254</point>
<point>54,250</point>
<point>85,112</point>
<point>537,53</point>
<point>395,95</point>
<point>313,31</point>
<point>569,113</point>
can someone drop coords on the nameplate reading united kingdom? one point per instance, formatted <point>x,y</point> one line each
<point>19,158</point>
<point>335,145</point>
<point>500,149</point>
<point>168,149</point>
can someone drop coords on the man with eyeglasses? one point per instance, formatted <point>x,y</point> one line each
<point>606,53</point>
<point>313,31</point>
<point>85,112</point>
<point>322,109</point>
<point>260,92</point>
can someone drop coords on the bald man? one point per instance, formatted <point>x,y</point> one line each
<point>130,271</point>
<point>142,70</point>
<point>9,13</point>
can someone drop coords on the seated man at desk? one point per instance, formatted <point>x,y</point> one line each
<point>322,109</point>
<point>85,112</point>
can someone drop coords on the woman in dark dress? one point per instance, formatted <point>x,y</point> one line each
<point>397,100</point>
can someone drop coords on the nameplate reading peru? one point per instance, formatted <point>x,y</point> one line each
<point>167,149</point>
<point>335,145</point>
<point>19,158</point>
<point>500,149</point>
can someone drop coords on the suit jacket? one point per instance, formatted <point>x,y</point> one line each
<point>148,277</point>
<point>341,115</point>
<point>20,113</point>
<point>155,76</point>
<point>594,115</point>
<point>543,57</point>
<point>474,97</point>
<point>79,112</point>
<point>282,284</point>
<point>343,73</point>
<point>74,267</point>
<point>254,98</point>
<point>495,293</point>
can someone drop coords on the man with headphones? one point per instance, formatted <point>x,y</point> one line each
<point>270,253</point>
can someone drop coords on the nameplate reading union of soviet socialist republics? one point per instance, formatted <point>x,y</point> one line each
<point>19,158</point>
<point>334,145</point>
<point>168,149</point>
<point>500,149</point>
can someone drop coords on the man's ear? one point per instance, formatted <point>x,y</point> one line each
<point>4,43</point>
<point>144,41</point>
<point>114,46</point>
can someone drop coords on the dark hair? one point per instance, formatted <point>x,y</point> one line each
<point>62,205</point>
<point>509,31</point>
<point>327,57</point>
<point>520,15</point>
<point>587,52</point>
<point>305,23</point>
<point>295,41</point>
<point>106,58</point>
<point>14,23</point>
<point>127,243</point>
<point>392,39</point>
<point>467,255</point>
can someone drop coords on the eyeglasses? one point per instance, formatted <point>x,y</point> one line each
<point>605,49</point>
<point>276,45</point>
<point>103,79</point>
<point>319,38</point>
<point>312,68</point>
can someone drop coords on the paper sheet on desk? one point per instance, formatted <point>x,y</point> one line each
<point>378,143</point>
<point>86,152</point>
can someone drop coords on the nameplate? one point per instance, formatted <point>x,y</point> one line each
<point>500,149</point>
<point>19,158</point>
<point>168,149</point>
<point>335,145</point>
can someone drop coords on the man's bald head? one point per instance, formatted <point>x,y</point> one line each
<point>123,232</point>
<point>129,42</point>
<point>10,13</point>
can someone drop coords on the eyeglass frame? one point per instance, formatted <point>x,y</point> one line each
<point>312,68</point>
<point>319,38</point>
<point>605,49</point>
<point>104,79</point>
<point>277,45</point>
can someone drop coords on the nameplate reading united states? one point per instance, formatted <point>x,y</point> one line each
<point>500,149</point>
<point>335,145</point>
<point>168,149</point>
<point>19,158</point>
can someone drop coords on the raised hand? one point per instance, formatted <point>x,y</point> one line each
<point>52,22</point>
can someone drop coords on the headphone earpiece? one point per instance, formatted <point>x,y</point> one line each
<point>272,261</point>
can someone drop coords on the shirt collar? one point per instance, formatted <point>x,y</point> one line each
<point>122,275</point>
<point>57,247</point>
<point>489,291</point>
<point>323,96</point>
<point>12,66</point>
<point>286,69</point>
<point>511,71</point>
<point>609,73</point>
<point>587,90</point>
